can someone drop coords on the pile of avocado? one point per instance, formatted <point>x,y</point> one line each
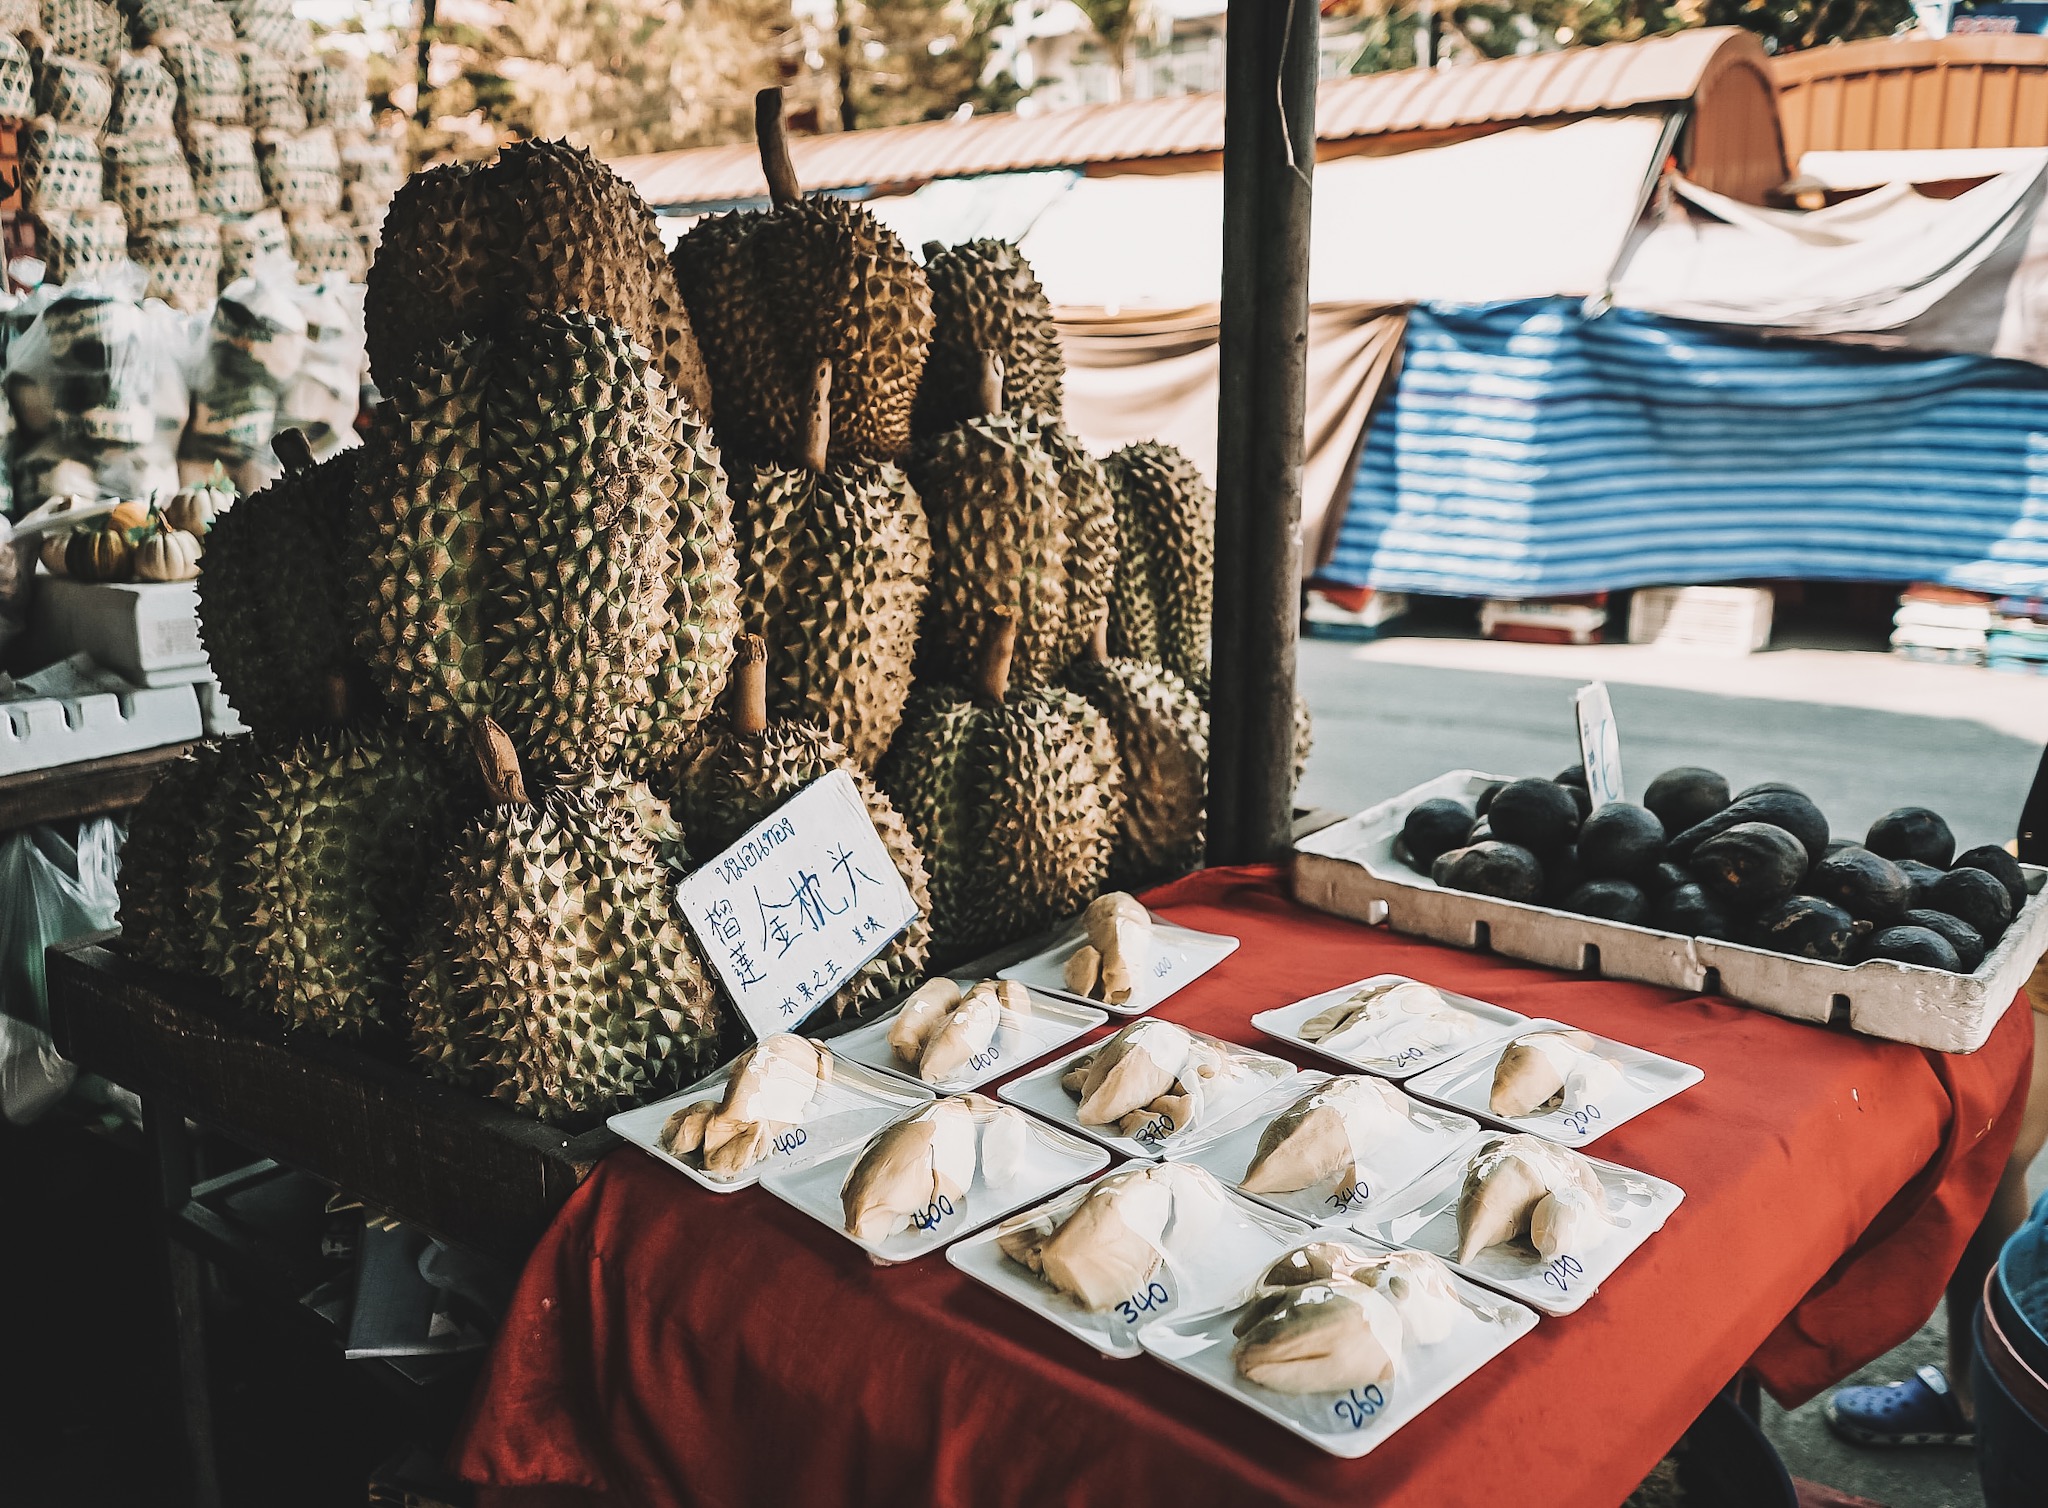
<point>1756,868</point>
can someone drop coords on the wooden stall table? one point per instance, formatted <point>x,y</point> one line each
<point>671,1346</point>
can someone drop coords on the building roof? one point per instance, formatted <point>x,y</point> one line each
<point>1469,100</point>
<point>1916,93</point>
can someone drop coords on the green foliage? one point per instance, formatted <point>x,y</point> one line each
<point>898,61</point>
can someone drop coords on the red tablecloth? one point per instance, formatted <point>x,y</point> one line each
<point>678,1347</point>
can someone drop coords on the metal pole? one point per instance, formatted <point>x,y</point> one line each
<point>1269,143</point>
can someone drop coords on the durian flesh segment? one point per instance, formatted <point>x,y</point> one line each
<point>1568,1221</point>
<point>908,1168</point>
<point>1132,1069</point>
<point>920,1016</point>
<point>1332,1131</point>
<point>1532,1071</point>
<point>1417,1283</point>
<point>1120,932</point>
<point>963,1036</point>
<point>1504,1182</point>
<point>1107,1248</point>
<point>1322,1338</point>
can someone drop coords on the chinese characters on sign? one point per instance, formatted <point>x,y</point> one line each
<point>792,911</point>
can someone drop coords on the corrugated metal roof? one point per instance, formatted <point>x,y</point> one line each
<point>1917,94</point>
<point>1545,86</point>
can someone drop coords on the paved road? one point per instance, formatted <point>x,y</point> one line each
<point>1391,715</point>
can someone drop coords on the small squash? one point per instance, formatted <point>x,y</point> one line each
<point>54,546</point>
<point>129,515</point>
<point>98,555</point>
<point>172,555</point>
<point>194,508</point>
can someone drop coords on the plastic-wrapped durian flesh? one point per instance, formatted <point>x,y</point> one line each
<point>1148,1072</point>
<point>1013,799</point>
<point>544,536</point>
<point>939,1031</point>
<point>927,1161</point>
<point>1320,1338</point>
<point>565,951</point>
<point>808,280</point>
<point>1329,1133</point>
<point>835,561</point>
<point>772,1089</point>
<point>1550,1069</point>
<point>744,765</point>
<point>1506,1182</point>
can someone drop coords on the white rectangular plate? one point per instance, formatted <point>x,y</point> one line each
<point>1041,1094</point>
<point>1203,1270</point>
<point>1052,1160</point>
<point>1466,1083</point>
<point>1053,1023</point>
<point>1491,1023</point>
<point>1424,1217</point>
<point>857,1103</point>
<point>1179,956</point>
<point>1355,1423</point>
<point>1228,1152</point>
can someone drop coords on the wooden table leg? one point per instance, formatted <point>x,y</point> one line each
<point>164,1126</point>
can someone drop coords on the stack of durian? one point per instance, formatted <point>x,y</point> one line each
<point>163,154</point>
<point>539,646</point>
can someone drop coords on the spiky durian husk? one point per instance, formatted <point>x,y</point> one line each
<point>274,598</point>
<point>1162,740</point>
<point>221,903</point>
<point>1089,511</point>
<point>566,959</point>
<point>1163,503</point>
<point>1304,736</point>
<point>986,300</point>
<point>542,229</point>
<point>444,1043</point>
<point>833,577</point>
<point>670,337</point>
<point>999,539</point>
<point>545,537</point>
<point>729,781</point>
<point>1015,807</point>
<point>165,857</point>
<point>772,294</point>
<point>337,841</point>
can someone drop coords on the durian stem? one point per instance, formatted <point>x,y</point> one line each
<point>293,451</point>
<point>337,697</point>
<point>818,435</point>
<point>750,687</point>
<point>991,383</point>
<point>774,143</point>
<point>1098,642</point>
<point>498,762</point>
<point>995,659</point>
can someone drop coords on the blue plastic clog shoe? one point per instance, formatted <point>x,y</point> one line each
<point>1919,1411</point>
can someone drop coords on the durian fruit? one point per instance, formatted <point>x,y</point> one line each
<point>773,294</point>
<point>274,600</point>
<point>1021,515</point>
<point>542,229</point>
<point>1116,951</point>
<point>543,535</point>
<point>909,1168</point>
<point>170,859</point>
<point>337,843</point>
<point>1162,744</point>
<point>1164,602</point>
<point>1151,1071</point>
<point>1013,800</point>
<point>742,767</point>
<point>939,1032</point>
<point>986,299</point>
<point>1327,1133</point>
<point>1106,1248</point>
<point>570,970</point>
<point>834,565</point>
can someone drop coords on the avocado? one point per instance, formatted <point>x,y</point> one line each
<point>1973,896</point>
<point>1764,788</point>
<point>1562,874</point>
<point>1994,860</point>
<point>1667,877</point>
<point>1481,831</point>
<point>1914,945</point>
<point>1503,870</point>
<point>1920,876</point>
<point>1486,797</point>
<point>1840,845</point>
<point>1958,933</point>
<point>1621,842</point>
<point>1863,884</point>
<point>1610,900</point>
<point>1750,865</point>
<point>1912,832</point>
<point>1689,910</point>
<point>1435,827</point>
<point>1538,815</point>
<point>1785,809</point>
<point>1440,869</point>
<point>1685,796</point>
<point>1805,926</point>
<point>1574,774</point>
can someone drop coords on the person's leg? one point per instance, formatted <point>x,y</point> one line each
<point>2008,1212</point>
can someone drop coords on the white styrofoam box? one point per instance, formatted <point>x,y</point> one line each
<point>216,712</point>
<point>1352,869</point>
<point>146,630</point>
<point>1732,620</point>
<point>44,732</point>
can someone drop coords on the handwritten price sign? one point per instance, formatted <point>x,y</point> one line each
<point>1599,743</point>
<point>792,911</point>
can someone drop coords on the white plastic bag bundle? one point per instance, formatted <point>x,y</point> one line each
<point>50,892</point>
<point>323,398</point>
<point>255,349</point>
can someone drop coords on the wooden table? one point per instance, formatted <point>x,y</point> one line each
<point>88,788</point>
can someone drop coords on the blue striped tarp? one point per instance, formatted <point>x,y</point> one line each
<point>1531,451</point>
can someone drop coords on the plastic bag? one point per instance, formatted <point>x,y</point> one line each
<point>50,892</point>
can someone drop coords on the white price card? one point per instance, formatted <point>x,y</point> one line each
<point>1599,743</point>
<point>792,911</point>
